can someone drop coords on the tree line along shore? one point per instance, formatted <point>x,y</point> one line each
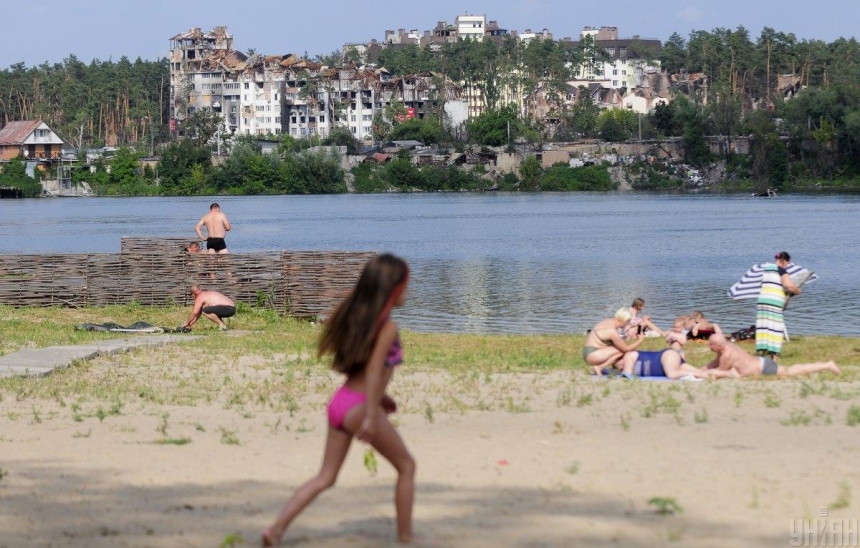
<point>801,136</point>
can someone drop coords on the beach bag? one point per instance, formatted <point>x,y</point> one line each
<point>745,334</point>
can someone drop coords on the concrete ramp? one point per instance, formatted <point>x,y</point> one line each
<point>39,362</point>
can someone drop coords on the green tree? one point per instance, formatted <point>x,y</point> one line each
<point>673,55</point>
<point>201,126</point>
<point>14,175</point>
<point>768,153</point>
<point>124,168</point>
<point>530,174</point>
<point>177,161</point>
<point>314,173</point>
<point>666,120</point>
<point>491,128</point>
<point>402,173</point>
<point>341,136</point>
<point>427,131</point>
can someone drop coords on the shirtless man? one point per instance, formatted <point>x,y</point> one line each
<point>217,225</point>
<point>211,304</point>
<point>732,361</point>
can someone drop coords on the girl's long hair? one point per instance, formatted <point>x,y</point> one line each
<point>351,331</point>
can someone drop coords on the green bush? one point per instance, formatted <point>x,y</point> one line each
<point>562,177</point>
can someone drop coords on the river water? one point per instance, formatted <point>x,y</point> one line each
<point>513,263</point>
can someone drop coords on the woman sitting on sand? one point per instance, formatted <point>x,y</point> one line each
<point>604,345</point>
<point>640,324</point>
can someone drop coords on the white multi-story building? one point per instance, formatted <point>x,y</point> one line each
<point>528,35</point>
<point>628,58</point>
<point>270,95</point>
<point>471,27</point>
<point>197,71</point>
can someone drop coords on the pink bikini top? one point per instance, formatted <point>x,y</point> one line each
<point>395,353</point>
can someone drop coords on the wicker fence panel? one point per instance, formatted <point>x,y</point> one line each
<point>43,280</point>
<point>155,271</point>
<point>317,281</point>
<point>108,280</point>
<point>155,246</point>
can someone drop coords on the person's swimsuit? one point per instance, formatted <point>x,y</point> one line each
<point>395,353</point>
<point>216,244</point>
<point>650,364</point>
<point>701,334</point>
<point>586,350</point>
<point>345,398</point>
<point>220,310</point>
<point>768,366</point>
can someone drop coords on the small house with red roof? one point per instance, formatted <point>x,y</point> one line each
<point>32,139</point>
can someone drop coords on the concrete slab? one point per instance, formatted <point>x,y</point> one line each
<point>42,361</point>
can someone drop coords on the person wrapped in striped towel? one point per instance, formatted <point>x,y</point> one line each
<point>776,286</point>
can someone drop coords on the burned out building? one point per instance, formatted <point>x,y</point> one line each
<point>275,94</point>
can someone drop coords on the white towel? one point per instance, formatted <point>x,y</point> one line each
<point>749,286</point>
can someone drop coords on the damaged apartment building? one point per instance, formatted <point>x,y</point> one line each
<point>287,94</point>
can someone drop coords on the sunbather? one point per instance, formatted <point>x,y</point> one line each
<point>661,363</point>
<point>699,328</point>
<point>604,345</point>
<point>640,324</point>
<point>733,361</point>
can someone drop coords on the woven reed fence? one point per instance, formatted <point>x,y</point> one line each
<point>158,272</point>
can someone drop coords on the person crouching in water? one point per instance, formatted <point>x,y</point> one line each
<point>365,346</point>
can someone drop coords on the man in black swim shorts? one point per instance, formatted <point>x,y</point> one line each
<point>211,304</point>
<point>216,244</point>
<point>217,226</point>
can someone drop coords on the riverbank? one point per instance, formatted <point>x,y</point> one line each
<point>201,443</point>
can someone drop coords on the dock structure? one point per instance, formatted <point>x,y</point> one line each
<point>159,272</point>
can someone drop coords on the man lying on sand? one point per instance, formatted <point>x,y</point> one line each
<point>732,361</point>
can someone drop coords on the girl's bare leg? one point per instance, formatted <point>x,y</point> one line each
<point>391,446</point>
<point>336,446</point>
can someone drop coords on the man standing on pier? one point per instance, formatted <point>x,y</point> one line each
<point>217,225</point>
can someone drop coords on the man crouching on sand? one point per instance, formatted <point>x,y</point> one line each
<point>211,304</point>
<point>732,361</point>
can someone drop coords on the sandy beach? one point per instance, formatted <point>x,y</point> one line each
<point>170,457</point>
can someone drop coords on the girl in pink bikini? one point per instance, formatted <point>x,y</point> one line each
<point>366,348</point>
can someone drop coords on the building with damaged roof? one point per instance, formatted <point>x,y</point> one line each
<point>275,94</point>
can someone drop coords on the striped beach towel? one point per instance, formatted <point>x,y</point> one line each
<point>749,286</point>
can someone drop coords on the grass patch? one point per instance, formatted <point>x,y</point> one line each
<point>844,498</point>
<point>371,464</point>
<point>173,441</point>
<point>229,437</point>
<point>665,506</point>
<point>771,400</point>
<point>852,417</point>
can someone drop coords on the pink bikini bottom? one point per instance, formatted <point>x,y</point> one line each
<point>342,401</point>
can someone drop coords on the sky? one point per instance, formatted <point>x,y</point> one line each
<point>50,30</point>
